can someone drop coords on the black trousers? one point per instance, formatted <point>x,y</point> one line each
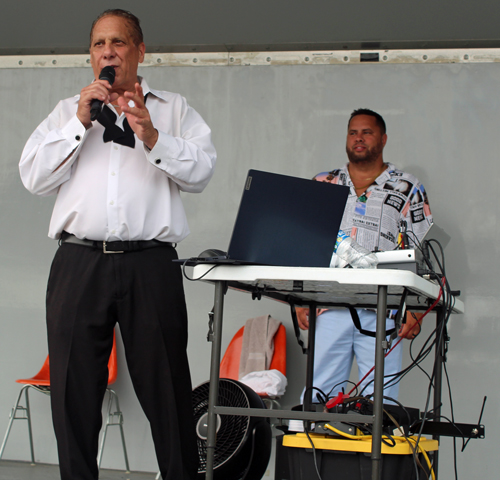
<point>88,293</point>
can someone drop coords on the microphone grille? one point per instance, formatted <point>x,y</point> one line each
<point>107,73</point>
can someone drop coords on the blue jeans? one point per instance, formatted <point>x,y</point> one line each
<point>338,341</point>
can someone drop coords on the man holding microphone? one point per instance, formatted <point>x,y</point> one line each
<point>118,215</point>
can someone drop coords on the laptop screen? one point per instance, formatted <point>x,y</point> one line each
<point>287,221</point>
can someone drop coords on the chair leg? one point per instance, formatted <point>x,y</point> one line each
<point>26,411</point>
<point>113,419</point>
<point>270,403</point>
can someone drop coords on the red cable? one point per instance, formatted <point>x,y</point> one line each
<point>397,343</point>
<point>335,401</point>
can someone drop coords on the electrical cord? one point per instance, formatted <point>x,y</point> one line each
<point>395,378</point>
<point>448,305</point>
<point>479,421</point>
<point>437,339</point>
<point>186,276</point>
<point>446,289</point>
<point>450,396</point>
<point>412,442</point>
<point>313,451</point>
<point>399,341</point>
<point>328,396</point>
<point>320,396</point>
<point>438,333</point>
<point>425,350</point>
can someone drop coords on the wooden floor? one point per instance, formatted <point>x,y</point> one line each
<point>10,470</point>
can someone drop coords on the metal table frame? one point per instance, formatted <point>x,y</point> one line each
<point>314,287</point>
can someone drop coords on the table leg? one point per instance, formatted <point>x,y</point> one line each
<point>310,357</point>
<point>378,391</point>
<point>438,378</point>
<point>213,394</point>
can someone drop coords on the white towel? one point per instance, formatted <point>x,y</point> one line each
<point>271,382</point>
<point>258,344</point>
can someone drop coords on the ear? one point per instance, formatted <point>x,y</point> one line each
<point>142,52</point>
<point>384,139</point>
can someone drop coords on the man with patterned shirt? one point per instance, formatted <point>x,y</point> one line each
<point>382,200</point>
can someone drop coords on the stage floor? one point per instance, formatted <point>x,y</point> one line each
<point>10,470</point>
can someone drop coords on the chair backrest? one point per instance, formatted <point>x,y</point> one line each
<point>230,364</point>
<point>279,358</point>
<point>42,378</point>
<point>113,363</point>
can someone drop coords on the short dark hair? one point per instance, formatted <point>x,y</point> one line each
<point>133,21</point>
<point>371,113</point>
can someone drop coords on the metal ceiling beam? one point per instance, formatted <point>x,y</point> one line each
<point>231,59</point>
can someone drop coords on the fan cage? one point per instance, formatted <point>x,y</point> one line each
<point>233,429</point>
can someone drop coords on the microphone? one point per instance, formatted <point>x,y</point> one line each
<point>107,73</point>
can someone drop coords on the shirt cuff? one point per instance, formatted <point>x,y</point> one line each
<point>162,152</point>
<point>74,132</point>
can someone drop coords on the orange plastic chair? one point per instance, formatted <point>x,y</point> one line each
<point>230,364</point>
<point>41,383</point>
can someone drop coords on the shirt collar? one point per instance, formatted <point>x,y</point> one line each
<point>382,178</point>
<point>147,90</point>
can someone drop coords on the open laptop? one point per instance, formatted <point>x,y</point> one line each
<point>284,221</point>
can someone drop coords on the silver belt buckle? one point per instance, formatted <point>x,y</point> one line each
<point>109,251</point>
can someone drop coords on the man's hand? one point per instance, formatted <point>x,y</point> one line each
<point>303,316</point>
<point>412,327</point>
<point>138,116</point>
<point>98,90</point>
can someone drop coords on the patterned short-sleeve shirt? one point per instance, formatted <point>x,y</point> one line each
<point>374,218</point>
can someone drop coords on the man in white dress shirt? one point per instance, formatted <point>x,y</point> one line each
<point>118,215</point>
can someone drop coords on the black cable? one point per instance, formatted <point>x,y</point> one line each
<point>478,422</point>
<point>416,460</point>
<point>319,394</point>
<point>184,265</point>
<point>425,350</point>
<point>328,396</point>
<point>450,396</point>
<point>395,378</point>
<point>414,448</point>
<point>439,333</point>
<point>439,341</point>
<point>429,245</point>
<point>313,450</point>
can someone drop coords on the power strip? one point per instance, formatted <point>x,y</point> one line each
<point>396,256</point>
<point>410,259</point>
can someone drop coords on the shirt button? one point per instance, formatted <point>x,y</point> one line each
<point>157,161</point>
<point>116,148</point>
<point>78,138</point>
<point>113,173</point>
<point>111,203</point>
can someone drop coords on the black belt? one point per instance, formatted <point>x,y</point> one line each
<point>114,247</point>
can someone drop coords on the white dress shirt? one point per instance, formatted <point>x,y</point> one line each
<point>106,191</point>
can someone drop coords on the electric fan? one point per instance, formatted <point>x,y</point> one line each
<point>243,445</point>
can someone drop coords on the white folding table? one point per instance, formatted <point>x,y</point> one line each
<point>315,287</point>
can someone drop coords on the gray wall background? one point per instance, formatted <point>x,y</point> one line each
<point>442,126</point>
